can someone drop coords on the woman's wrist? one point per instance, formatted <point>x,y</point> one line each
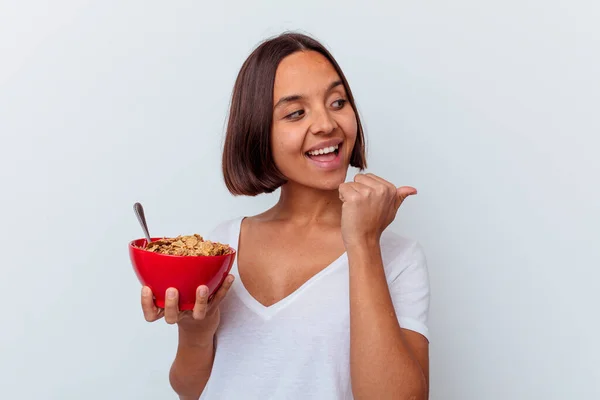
<point>195,337</point>
<point>364,254</point>
<point>363,246</point>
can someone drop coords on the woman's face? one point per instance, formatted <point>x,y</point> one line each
<point>314,125</point>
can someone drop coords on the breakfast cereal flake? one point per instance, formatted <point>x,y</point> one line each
<point>192,245</point>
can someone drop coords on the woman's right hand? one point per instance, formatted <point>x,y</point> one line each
<point>204,318</point>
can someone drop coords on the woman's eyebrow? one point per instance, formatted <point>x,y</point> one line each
<point>296,97</point>
<point>288,99</point>
<point>334,85</point>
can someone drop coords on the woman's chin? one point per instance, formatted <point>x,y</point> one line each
<point>326,184</point>
<point>319,181</point>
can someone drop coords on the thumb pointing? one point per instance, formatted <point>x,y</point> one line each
<point>403,192</point>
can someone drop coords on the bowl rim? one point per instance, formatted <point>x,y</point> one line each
<point>136,248</point>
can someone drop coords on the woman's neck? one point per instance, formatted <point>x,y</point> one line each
<point>304,205</point>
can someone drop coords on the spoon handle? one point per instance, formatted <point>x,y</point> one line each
<point>139,212</point>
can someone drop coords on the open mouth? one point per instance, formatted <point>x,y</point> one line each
<point>325,154</point>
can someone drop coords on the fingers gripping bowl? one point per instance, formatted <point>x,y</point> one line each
<point>184,263</point>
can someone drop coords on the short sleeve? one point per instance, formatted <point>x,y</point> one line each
<point>224,232</point>
<point>409,289</point>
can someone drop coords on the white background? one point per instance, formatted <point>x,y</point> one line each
<point>490,109</point>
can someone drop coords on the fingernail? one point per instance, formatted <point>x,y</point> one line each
<point>171,293</point>
<point>146,291</point>
<point>230,279</point>
<point>203,291</point>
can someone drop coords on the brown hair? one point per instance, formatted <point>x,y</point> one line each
<point>248,166</point>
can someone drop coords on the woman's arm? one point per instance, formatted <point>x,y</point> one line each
<point>192,366</point>
<point>193,362</point>
<point>386,362</point>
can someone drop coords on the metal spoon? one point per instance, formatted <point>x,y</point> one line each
<point>139,212</point>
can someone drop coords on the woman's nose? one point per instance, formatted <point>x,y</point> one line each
<point>323,123</point>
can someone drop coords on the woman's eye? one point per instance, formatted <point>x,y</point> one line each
<point>339,103</point>
<point>295,114</point>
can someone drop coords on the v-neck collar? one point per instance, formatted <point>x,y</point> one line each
<point>267,312</point>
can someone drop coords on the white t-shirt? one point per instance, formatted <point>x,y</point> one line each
<point>299,348</point>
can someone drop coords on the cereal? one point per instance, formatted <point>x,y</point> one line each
<point>192,245</point>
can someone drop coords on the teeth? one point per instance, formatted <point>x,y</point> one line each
<point>325,150</point>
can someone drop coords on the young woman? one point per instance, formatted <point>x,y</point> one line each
<point>327,303</point>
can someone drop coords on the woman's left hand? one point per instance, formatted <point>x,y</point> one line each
<point>370,205</point>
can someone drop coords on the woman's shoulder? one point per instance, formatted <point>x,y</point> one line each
<point>225,231</point>
<point>400,252</point>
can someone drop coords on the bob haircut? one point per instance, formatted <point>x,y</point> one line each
<point>247,164</point>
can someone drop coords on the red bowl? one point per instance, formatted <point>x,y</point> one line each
<point>184,273</point>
